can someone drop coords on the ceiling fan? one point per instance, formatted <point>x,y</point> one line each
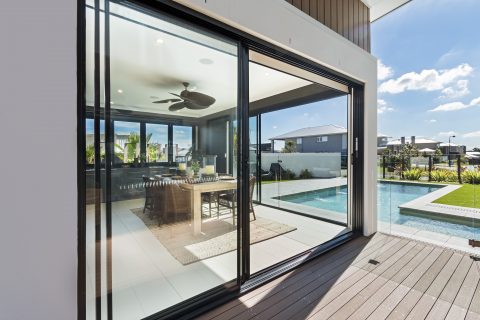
<point>188,99</point>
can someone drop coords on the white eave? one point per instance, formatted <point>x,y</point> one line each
<point>379,8</point>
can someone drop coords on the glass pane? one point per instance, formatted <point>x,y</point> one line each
<point>174,210</point>
<point>89,141</point>
<point>157,143</point>
<point>252,154</point>
<point>304,164</point>
<point>127,142</point>
<point>182,141</point>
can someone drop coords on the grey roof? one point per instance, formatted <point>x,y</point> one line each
<point>445,144</point>
<point>312,131</point>
<point>417,141</point>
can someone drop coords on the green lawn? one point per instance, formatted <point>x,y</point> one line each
<point>466,196</point>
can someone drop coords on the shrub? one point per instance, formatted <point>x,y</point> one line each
<point>288,175</point>
<point>412,174</point>
<point>305,174</point>
<point>471,176</point>
<point>442,175</point>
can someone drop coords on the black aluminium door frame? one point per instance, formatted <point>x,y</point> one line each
<point>245,42</point>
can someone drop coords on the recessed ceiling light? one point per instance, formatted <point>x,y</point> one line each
<point>267,74</point>
<point>159,41</point>
<point>120,91</point>
<point>205,61</point>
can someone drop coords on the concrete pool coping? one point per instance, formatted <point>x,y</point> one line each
<point>425,205</point>
<point>436,238</point>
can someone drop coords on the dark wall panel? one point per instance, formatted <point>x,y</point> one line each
<point>328,15</point>
<point>314,9</point>
<point>349,18</point>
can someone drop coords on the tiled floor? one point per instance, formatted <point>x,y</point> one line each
<point>383,277</point>
<point>147,279</point>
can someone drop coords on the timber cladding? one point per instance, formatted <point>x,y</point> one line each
<point>349,18</point>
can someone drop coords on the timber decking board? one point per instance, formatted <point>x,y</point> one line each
<point>238,306</point>
<point>412,280</point>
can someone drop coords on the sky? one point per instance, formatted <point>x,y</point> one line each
<point>429,70</point>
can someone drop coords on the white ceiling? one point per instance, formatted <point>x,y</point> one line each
<point>146,64</point>
<point>379,8</point>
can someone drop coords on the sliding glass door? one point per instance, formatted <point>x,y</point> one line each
<point>193,186</point>
<point>303,144</point>
<point>163,225</point>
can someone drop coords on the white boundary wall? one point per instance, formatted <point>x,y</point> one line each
<point>321,165</point>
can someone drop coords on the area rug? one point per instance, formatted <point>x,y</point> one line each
<point>218,236</point>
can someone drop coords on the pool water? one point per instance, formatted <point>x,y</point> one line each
<point>390,197</point>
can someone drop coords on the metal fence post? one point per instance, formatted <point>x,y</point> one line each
<point>430,165</point>
<point>384,164</point>
<point>459,169</point>
<point>402,166</point>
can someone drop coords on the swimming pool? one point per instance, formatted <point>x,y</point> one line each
<point>390,196</point>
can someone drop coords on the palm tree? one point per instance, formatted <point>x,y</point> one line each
<point>131,145</point>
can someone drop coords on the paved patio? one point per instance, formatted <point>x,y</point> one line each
<point>383,277</point>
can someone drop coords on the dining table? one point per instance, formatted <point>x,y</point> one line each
<point>196,190</point>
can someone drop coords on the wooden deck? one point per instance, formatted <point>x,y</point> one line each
<point>383,277</point>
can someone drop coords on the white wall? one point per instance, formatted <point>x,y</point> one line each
<point>38,194</point>
<point>321,165</point>
<point>286,26</point>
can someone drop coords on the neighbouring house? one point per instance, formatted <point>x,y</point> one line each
<point>382,141</point>
<point>425,144</point>
<point>452,148</point>
<point>421,143</point>
<point>327,138</point>
<point>473,157</point>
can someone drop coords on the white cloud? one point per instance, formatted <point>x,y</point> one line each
<point>427,80</point>
<point>383,107</point>
<point>454,106</point>
<point>383,72</point>
<point>274,127</point>
<point>460,89</point>
<point>475,102</point>
<point>431,121</point>
<point>474,134</point>
<point>447,134</point>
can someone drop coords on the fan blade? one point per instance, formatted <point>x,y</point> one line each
<point>194,106</point>
<point>167,101</point>
<point>198,98</point>
<point>177,106</point>
<point>176,95</point>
